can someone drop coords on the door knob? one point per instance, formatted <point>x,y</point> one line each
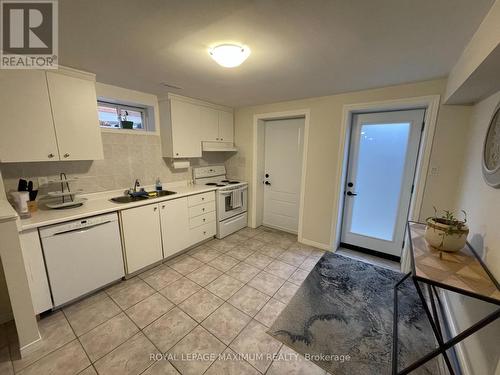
<point>267,175</point>
<point>50,156</point>
<point>267,183</point>
<point>351,194</point>
<point>66,155</point>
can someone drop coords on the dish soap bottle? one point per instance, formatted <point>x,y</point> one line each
<point>158,186</point>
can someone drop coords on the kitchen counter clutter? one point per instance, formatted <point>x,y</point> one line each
<point>99,203</point>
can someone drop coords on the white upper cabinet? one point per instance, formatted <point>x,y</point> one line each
<point>209,124</point>
<point>48,116</point>
<point>74,108</point>
<point>226,126</point>
<point>185,124</point>
<point>186,130</point>
<point>27,130</point>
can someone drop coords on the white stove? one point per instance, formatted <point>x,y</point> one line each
<point>230,196</point>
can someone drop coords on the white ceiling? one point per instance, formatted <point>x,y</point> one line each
<point>299,48</point>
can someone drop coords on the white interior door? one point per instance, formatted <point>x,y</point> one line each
<point>284,143</point>
<point>382,160</point>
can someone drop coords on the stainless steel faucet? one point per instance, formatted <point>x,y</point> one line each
<point>137,183</point>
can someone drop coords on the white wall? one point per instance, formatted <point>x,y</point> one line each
<point>320,203</point>
<point>482,204</point>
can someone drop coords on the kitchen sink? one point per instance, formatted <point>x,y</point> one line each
<point>128,199</point>
<point>161,193</point>
<point>150,195</point>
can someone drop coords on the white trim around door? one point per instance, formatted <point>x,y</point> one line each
<point>431,104</point>
<point>257,191</point>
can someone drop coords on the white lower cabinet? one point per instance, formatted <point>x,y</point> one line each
<point>141,233</point>
<point>174,226</point>
<point>35,270</point>
<point>202,217</point>
<point>187,221</point>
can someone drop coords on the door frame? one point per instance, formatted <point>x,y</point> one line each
<point>431,104</point>
<point>258,163</point>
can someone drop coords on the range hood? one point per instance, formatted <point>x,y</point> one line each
<point>207,146</point>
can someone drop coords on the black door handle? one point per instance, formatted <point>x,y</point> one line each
<point>267,183</point>
<point>351,194</point>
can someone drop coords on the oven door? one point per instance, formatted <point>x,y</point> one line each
<point>232,202</point>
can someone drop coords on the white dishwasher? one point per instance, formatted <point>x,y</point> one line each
<point>82,256</point>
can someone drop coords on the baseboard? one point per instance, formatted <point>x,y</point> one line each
<point>465,368</point>
<point>277,227</point>
<point>31,347</point>
<point>319,245</point>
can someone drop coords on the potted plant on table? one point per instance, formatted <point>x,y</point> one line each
<point>446,232</point>
<point>126,124</point>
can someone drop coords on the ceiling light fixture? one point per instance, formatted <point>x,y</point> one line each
<point>229,55</point>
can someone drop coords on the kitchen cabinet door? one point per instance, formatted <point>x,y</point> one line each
<point>141,233</point>
<point>186,129</point>
<point>174,226</point>
<point>226,127</point>
<point>27,129</point>
<point>74,108</point>
<point>209,123</point>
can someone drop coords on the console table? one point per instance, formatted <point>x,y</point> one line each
<point>462,272</point>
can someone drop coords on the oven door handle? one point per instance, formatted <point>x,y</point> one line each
<point>231,191</point>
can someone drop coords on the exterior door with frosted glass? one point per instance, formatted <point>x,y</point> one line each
<point>382,160</point>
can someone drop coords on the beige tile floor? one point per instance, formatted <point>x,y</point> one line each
<point>220,297</point>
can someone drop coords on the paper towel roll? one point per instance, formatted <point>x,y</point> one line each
<point>180,164</point>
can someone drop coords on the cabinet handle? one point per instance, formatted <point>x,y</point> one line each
<point>66,155</point>
<point>176,154</point>
<point>163,207</point>
<point>50,156</point>
<point>204,232</point>
<point>204,220</point>
<point>202,198</point>
<point>203,209</point>
<point>155,208</point>
<point>222,139</point>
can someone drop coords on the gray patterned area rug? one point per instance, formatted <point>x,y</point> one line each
<point>341,319</point>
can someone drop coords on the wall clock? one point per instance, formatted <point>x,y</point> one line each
<point>491,151</point>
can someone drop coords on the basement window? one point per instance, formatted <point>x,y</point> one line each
<point>122,116</point>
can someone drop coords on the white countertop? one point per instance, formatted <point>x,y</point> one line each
<point>99,203</point>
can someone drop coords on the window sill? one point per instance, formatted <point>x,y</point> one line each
<point>129,131</point>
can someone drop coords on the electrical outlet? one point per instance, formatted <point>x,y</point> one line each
<point>43,181</point>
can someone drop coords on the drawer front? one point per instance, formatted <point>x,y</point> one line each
<point>201,209</point>
<point>203,232</point>
<point>197,199</point>
<point>202,219</point>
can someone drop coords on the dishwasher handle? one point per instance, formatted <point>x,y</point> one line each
<point>82,229</point>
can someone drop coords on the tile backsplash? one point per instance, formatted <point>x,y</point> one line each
<point>126,157</point>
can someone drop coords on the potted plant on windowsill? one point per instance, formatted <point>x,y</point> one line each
<point>446,232</point>
<point>125,123</point>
